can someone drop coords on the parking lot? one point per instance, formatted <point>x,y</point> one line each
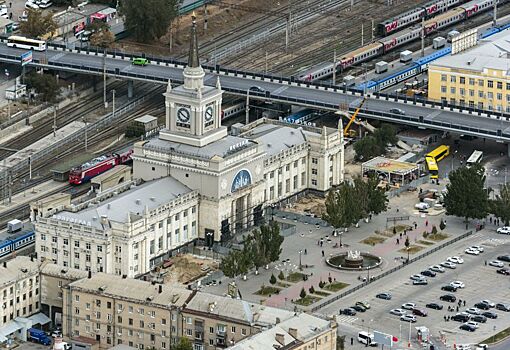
<point>481,282</point>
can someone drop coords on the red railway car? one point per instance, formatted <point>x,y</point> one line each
<point>97,166</point>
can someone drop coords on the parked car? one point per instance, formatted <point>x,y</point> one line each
<point>473,311</point>
<point>434,306</point>
<point>363,304</point>
<point>467,327</point>
<point>448,297</point>
<point>488,303</point>
<point>398,312</point>
<point>460,317</point>
<point>455,259</point>
<point>479,318</point>
<point>482,306</point>
<point>408,306</point>
<point>449,288</point>
<point>416,277</point>
<point>503,271</point>
<point>472,323</point>
<point>457,284</point>
<point>31,5</point>
<point>420,312</point>
<point>420,282</point>
<point>429,273</point>
<point>437,268</point>
<point>471,251</point>
<point>385,296</point>
<point>503,307</point>
<point>496,263</point>
<point>348,311</point>
<point>505,258</point>
<point>477,247</point>
<point>490,314</point>
<point>358,308</point>
<point>505,230</point>
<point>408,318</point>
<point>449,265</point>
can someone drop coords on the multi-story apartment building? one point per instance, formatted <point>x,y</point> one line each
<point>475,78</point>
<point>120,233</point>
<point>301,332</point>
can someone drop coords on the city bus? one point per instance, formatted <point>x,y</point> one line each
<point>25,43</point>
<point>434,157</point>
<point>475,157</point>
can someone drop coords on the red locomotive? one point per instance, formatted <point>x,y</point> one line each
<point>96,166</point>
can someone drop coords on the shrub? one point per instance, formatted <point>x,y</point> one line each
<point>434,230</point>
<point>311,290</point>
<point>281,276</point>
<point>272,280</point>
<point>303,293</point>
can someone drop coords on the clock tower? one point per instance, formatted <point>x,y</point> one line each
<point>193,111</point>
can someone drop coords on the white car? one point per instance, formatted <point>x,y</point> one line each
<point>457,284</point>
<point>496,263</point>
<point>408,318</point>
<point>416,277</point>
<point>449,265</point>
<point>471,251</point>
<point>398,312</point>
<point>422,206</point>
<point>437,268</point>
<point>477,247</point>
<point>455,259</point>
<point>488,303</point>
<point>472,323</point>
<point>31,5</point>
<point>408,306</point>
<point>473,311</point>
<point>505,230</point>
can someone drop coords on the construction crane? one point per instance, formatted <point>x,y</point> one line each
<point>353,117</point>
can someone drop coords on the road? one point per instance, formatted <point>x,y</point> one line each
<point>314,96</point>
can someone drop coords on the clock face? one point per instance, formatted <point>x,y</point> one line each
<point>209,114</point>
<point>183,115</point>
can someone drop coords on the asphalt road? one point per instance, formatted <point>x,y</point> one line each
<point>328,99</point>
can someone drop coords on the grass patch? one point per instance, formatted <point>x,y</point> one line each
<point>389,231</point>
<point>425,242</point>
<point>437,237</point>
<point>412,249</point>
<point>306,301</point>
<point>497,337</point>
<point>335,286</point>
<point>268,290</point>
<point>295,277</point>
<point>373,240</point>
<point>321,293</point>
<point>283,284</point>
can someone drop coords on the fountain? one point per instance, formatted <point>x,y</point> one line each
<point>354,260</point>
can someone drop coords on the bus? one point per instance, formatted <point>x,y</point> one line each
<point>26,43</point>
<point>475,157</point>
<point>434,157</point>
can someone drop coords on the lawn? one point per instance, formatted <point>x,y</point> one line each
<point>426,242</point>
<point>437,237</point>
<point>283,284</point>
<point>306,301</point>
<point>373,240</point>
<point>295,277</point>
<point>497,337</point>
<point>335,286</point>
<point>321,293</point>
<point>268,290</point>
<point>412,249</point>
<point>389,231</point>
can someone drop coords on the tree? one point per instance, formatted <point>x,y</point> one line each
<point>385,135</point>
<point>38,24</point>
<point>407,243</point>
<point>302,294</point>
<point>343,207</point>
<point>101,35</point>
<point>500,206</point>
<point>150,21</point>
<point>272,280</point>
<point>311,290</point>
<point>44,84</point>
<point>466,196</point>
<point>235,263</point>
<point>264,245</point>
<point>367,148</point>
<point>184,344</point>
<point>434,230</point>
<point>281,276</point>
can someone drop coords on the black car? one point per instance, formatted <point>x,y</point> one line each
<point>448,297</point>
<point>490,314</point>
<point>482,306</point>
<point>428,273</point>
<point>449,288</point>
<point>503,307</point>
<point>349,311</point>
<point>434,306</point>
<point>460,318</point>
<point>504,258</point>
<point>503,271</point>
<point>385,296</point>
<point>479,318</point>
<point>467,327</point>
<point>358,308</point>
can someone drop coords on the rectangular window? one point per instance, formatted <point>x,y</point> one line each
<point>462,80</point>
<point>314,171</point>
<point>480,82</point>
<point>87,246</point>
<point>500,85</point>
<point>77,244</point>
<point>499,96</point>
<point>66,241</point>
<point>443,89</point>
<point>471,81</point>
<point>489,95</point>
<point>462,91</point>
<point>295,182</point>
<point>315,161</point>
<point>490,83</point>
<point>314,182</point>
<point>472,93</point>
<point>303,178</point>
<point>54,239</point>
<point>452,90</point>
<point>453,79</point>
<point>508,86</point>
<point>443,77</point>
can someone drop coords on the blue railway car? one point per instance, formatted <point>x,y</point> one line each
<point>16,242</point>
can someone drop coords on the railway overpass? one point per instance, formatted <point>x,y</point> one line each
<point>423,114</point>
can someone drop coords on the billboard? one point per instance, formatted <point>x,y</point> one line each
<point>384,339</point>
<point>464,41</point>
<point>26,58</point>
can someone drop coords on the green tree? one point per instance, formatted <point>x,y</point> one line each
<point>302,294</point>
<point>235,263</point>
<point>38,24</point>
<point>281,276</point>
<point>367,148</point>
<point>385,135</point>
<point>343,207</point>
<point>466,196</point>
<point>272,280</point>
<point>44,84</point>
<point>101,35</point>
<point>407,243</point>
<point>434,230</point>
<point>150,21</point>
<point>184,344</point>
<point>500,206</point>
<point>264,245</point>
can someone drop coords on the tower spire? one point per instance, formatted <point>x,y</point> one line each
<point>193,59</point>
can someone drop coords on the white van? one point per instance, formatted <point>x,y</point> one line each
<point>44,3</point>
<point>366,338</point>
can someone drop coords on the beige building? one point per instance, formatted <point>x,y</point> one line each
<point>301,332</point>
<point>475,78</point>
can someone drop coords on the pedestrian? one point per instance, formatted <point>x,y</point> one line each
<point>400,234</point>
<point>490,220</point>
<point>323,253</point>
<point>464,303</point>
<point>415,225</point>
<point>485,262</point>
<point>398,241</point>
<point>397,209</point>
<point>10,4</point>
<point>448,318</point>
<point>426,222</point>
<point>370,217</point>
<point>405,232</point>
<point>318,242</point>
<point>10,15</point>
<point>444,318</point>
<point>457,309</point>
<point>352,341</point>
<point>306,252</point>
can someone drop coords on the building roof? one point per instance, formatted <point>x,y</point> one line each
<point>237,309</point>
<point>388,165</point>
<point>148,196</point>
<point>146,119</point>
<point>276,138</point>
<point>17,268</point>
<point>305,326</point>
<point>492,53</point>
<point>133,289</point>
<point>63,272</point>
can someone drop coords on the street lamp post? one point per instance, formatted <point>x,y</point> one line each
<point>407,249</point>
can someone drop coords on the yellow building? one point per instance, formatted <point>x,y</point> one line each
<point>477,78</point>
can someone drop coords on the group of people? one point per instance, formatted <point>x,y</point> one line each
<point>454,309</point>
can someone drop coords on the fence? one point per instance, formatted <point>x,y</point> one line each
<point>386,273</point>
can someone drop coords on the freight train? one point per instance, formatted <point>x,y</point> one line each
<point>393,41</point>
<point>97,166</point>
<point>16,242</point>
